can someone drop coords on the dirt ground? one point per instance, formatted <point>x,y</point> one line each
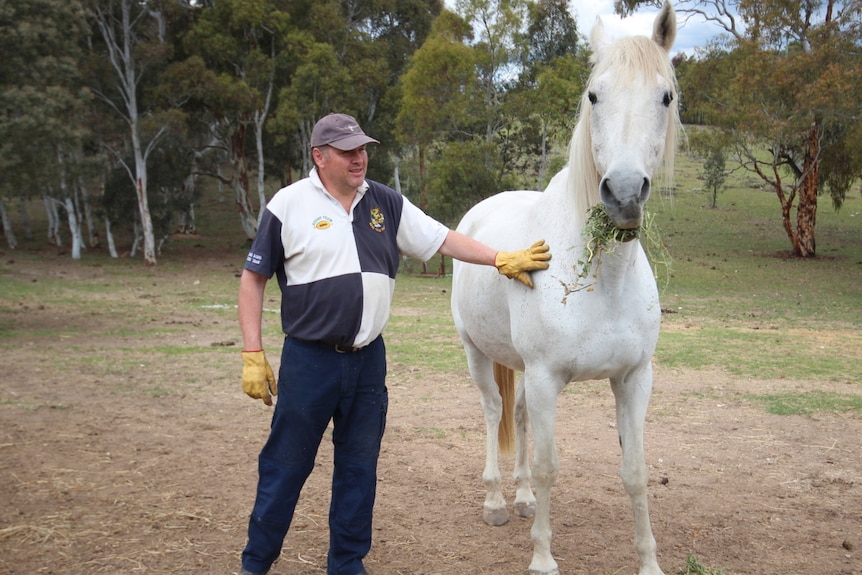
<point>96,478</point>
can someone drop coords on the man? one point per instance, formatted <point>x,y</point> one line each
<point>334,242</point>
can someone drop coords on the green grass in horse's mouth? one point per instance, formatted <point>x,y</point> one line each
<point>600,234</point>
<point>600,231</point>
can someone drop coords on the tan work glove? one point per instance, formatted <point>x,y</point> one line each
<point>258,381</point>
<point>515,265</point>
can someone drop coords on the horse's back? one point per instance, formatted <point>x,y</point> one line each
<point>497,219</point>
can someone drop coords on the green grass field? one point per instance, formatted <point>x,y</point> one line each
<point>736,301</point>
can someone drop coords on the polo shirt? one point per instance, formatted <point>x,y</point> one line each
<point>336,270</point>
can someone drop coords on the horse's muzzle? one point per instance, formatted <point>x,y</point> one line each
<point>624,196</point>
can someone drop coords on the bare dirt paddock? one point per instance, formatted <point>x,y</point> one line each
<point>110,463</point>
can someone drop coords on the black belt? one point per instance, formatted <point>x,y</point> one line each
<point>335,347</point>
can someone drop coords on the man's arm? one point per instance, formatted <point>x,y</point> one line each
<point>513,265</point>
<point>466,249</point>
<point>258,379</point>
<point>250,309</point>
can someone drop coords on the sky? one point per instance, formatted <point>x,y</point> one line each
<point>690,35</point>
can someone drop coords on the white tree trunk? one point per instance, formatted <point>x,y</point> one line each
<point>53,220</point>
<point>7,226</point>
<point>246,214</point>
<point>259,121</point>
<point>396,175</point>
<point>137,241</point>
<point>121,41</point>
<point>186,218</point>
<point>258,139</point>
<point>89,218</point>
<point>112,247</point>
<point>74,228</point>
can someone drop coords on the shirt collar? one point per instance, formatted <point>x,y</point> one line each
<point>315,179</point>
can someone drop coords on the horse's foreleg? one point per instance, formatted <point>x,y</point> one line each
<point>494,510</point>
<point>525,501</point>
<point>632,398</point>
<point>541,397</point>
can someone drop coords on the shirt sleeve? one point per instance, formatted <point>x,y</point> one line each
<point>419,235</point>
<point>267,251</point>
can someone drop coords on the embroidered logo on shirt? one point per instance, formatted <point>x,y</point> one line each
<point>322,223</point>
<point>377,222</point>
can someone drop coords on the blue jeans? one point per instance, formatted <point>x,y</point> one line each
<point>317,384</point>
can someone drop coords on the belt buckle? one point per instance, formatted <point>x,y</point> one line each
<point>342,349</point>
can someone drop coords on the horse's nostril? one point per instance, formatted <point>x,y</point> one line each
<point>645,189</point>
<point>607,194</point>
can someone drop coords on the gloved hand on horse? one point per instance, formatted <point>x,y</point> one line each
<point>515,265</point>
<point>258,381</point>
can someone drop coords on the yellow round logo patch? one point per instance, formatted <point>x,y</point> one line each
<point>322,223</point>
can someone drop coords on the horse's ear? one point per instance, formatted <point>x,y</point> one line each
<point>598,40</point>
<point>664,29</point>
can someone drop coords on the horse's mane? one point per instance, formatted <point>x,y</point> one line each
<point>632,56</point>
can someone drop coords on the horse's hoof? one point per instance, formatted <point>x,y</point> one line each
<point>495,517</point>
<point>554,571</point>
<point>525,508</point>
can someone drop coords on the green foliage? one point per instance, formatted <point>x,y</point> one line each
<point>42,100</point>
<point>552,33</point>
<point>714,172</point>
<point>464,174</point>
<point>436,84</point>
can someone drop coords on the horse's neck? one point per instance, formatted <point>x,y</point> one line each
<point>615,265</point>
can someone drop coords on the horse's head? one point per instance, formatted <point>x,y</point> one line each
<point>631,107</point>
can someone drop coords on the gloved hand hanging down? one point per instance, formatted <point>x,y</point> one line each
<point>515,265</point>
<point>258,381</point>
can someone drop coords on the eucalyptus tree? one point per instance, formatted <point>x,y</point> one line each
<point>132,39</point>
<point>350,59</point>
<point>242,45</point>
<point>545,98</point>
<point>498,29</point>
<point>785,84</point>
<point>42,103</point>
<point>436,89</point>
<point>319,84</point>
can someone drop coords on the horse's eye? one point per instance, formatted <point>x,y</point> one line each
<point>668,98</point>
<point>592,97</point>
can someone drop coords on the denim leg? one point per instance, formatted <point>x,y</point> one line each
<point>308,391</point>
<point>360,420</point>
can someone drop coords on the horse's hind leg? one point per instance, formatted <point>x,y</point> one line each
<point>632,397</point>
<point>525,501</point>
<point>494,510</point>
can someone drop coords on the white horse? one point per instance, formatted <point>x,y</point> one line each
<point>575,325</point>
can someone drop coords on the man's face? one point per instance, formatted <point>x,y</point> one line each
<point>341,171</point>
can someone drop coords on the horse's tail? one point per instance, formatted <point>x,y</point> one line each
<point>505,379</point>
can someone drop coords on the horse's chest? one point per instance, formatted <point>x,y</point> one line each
<point>590,336</point>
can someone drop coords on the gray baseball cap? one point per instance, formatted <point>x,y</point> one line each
<point>339,131</point>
